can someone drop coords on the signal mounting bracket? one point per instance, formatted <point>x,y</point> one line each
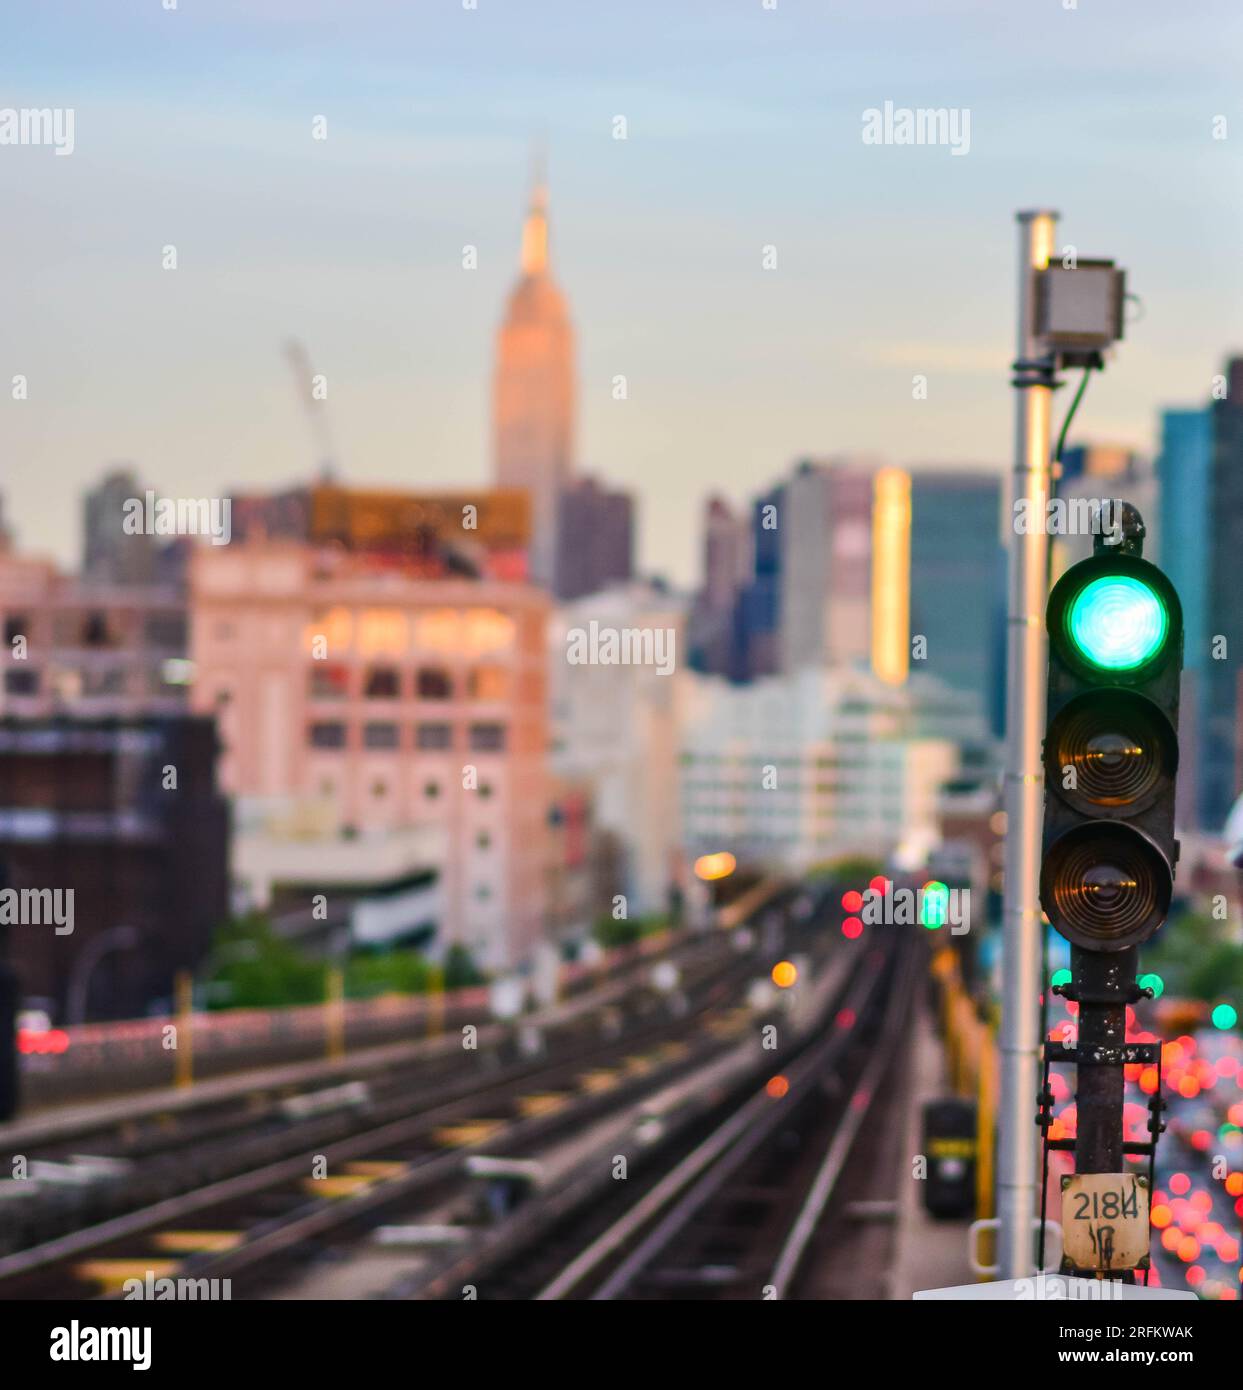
<point>1129,1054</point>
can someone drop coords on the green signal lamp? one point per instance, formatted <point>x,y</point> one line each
<point>1115,619</point>
<point>1118,622</point>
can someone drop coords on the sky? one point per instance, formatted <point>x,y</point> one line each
<point>193,127</point>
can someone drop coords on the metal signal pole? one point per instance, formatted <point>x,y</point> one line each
<point>1026,656</point>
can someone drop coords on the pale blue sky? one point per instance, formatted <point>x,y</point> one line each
<point>194,127</point>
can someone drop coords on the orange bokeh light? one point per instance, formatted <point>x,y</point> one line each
<point>713,866</point>
<point>784,974</point>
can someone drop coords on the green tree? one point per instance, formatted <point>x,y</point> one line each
<point>1195,957</point>
<point>610,931</point>
<point>460,969</point>
<point>371,973</point>
<point>251,967</point>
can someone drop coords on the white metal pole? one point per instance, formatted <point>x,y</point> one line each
<point>1026,657</point>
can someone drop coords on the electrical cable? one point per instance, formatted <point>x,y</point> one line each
<point>1070,415</point>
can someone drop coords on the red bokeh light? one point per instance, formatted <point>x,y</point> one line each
<point>51,1040</point>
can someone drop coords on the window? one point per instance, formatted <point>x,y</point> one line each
<point>166,630</point>
<point>21,682</point>
<point>489,683</point>
<point>377,735</point>
<point>434,683</point>
<point>15,625</point>
<point>107,682</point>
<point>382,683</point>
<point>483,840</point>
<point>329,682</point>
<point>95,630</point>
<point>327,735</point>
<point>487,738</point>
<point>434,736</point>
<point>431,790</point>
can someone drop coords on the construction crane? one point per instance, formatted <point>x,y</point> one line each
<point>316,408</point>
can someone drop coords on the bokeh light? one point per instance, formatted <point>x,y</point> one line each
<point>785,973</point>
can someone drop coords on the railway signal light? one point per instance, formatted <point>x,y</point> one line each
<point>1107,875</point>
<point>1111,746</point>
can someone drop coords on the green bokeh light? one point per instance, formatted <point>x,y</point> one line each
<point>1154,983</point>
<point>1225,1016</point>
<point>1061,977</point>
<point>934,910</point>
<point>1118,623</point>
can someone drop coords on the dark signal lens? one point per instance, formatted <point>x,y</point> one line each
<point>1105,886</point>
<point>1110,749</point>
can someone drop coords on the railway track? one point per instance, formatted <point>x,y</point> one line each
<point>736,1217</point>
<point>127,1163</point>
<point>253,1218</point>
<point>572,1242</point>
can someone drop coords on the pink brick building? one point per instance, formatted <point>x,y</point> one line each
<point>380,730</point>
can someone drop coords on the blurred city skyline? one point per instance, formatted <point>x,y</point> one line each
<point>195,130</point>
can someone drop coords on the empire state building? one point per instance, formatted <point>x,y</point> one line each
<point>533,390</point>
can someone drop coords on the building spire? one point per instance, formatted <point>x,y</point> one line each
<point>535,228</point>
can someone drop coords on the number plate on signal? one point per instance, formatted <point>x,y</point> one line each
<point>1105,1220</point>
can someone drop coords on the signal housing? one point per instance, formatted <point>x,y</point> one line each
<point>1117,728</point>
